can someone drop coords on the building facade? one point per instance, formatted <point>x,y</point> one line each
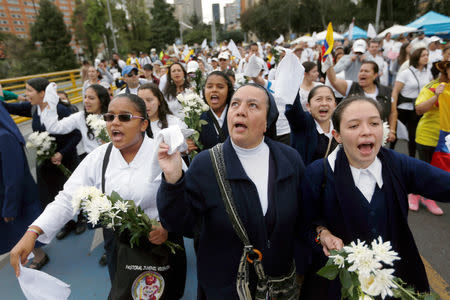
<point>185,9</point>
<point>17,16</point>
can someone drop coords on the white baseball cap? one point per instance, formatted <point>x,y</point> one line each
<point>359,46</point>
<point>224,55</point>
<point>434,39</point>
<point>192,66</point>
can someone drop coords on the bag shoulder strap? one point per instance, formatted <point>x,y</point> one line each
<point>418,84</point>
<point>218,162</point>
<point>217,126</point>
<point>105,165</point>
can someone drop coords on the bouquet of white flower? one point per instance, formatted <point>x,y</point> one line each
<point>98,126</point>
<point>361,272</point>
<point>386,130</point>
<point>241,79</point>
<point>193,107</point>
<point>45,148</point>
<point>115,213</point>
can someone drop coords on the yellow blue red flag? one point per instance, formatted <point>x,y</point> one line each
<point>328,43</point>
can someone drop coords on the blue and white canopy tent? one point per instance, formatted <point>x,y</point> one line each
<point>433,23</point>
<point>358,33</point>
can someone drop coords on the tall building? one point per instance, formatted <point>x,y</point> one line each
<point>17,16</point>
<point>184,9</point>
<point>232,15</point>
<point>216,12</point>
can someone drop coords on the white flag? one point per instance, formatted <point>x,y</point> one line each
<point>186,50</point>
<point>371,33</point>
<point>204,44</point>
<point>280,39</point>
<point>175,50</point>
<point>234,49</point>
<point>350,29</point>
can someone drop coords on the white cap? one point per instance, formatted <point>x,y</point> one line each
<point>153,50</point>
<point>215,59</point>
<point>224,55</point>
<point>359,46</point>
<point>434,39</point>
<point>192,66</point>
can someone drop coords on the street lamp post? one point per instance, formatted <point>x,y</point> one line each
<point>112,27</point>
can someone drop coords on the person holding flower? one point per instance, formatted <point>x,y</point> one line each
<point>50,179</point>
<point>360,191</point>
<point>122,166</point>
<point>96,100</point>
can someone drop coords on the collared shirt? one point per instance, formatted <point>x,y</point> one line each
<point>320,130</point>
<point>130,180</point>
<point>365,179</point>
<point>220,119</point>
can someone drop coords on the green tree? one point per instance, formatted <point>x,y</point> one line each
<point>198,33</point>
<point>50,30</point>
<point>164,28</point>
<point>139,23</point>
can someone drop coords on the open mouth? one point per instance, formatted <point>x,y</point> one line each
<point>214,99</point>
<point>366,148</point>
<point>117,135</point>
<point>240,127</point>
<point>323,112</point>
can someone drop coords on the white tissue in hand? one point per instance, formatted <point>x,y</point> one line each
<point>288,78</point>
<point>51,95</point>
<point>37,285</point>
<point>254,66</point>
<point>327,64</point>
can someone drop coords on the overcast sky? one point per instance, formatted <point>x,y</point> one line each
<point>207,9</point>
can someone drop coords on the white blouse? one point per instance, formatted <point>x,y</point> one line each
<point>68,124</point>
<point>130,180</point>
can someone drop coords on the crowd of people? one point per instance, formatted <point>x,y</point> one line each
<point>296,159</point>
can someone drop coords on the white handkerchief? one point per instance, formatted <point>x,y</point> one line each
<point>254,66</point>
<point>37,285</point>
<point>175,138</point>
<point>288,78</point>
<point>51,95</point>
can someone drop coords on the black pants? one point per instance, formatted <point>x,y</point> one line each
<point>111,252</point>
<point>425,152</point>
<point>410,119</point>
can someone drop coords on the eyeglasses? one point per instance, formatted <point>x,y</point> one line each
<point>122,117</point>
<point>131,74</point>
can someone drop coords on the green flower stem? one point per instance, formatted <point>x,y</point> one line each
<point>64,170</point>
<point>405,291</point>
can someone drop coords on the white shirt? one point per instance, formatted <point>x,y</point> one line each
<point>412,86</point>
<point>434,56</point>
<point>131,181</point>
<point>365,179</point>
<point>171,121</point>
<point>222,117</point>
<point>255,162</point>
<point>68,124</point>
<point>320,130</point>
<point>387,46</point>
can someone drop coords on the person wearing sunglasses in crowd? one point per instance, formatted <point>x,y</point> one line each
<point>131,78</point>
<point>127,173</point>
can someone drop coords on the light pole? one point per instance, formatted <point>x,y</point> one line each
<point>112,27</point>
<point>377,17</point>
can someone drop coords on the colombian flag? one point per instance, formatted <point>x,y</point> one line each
<point>188,56</point>
<point>328,43</point>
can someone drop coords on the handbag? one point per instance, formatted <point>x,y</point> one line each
<point>280,288</point>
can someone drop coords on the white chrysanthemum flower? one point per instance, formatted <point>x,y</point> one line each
<point>355,249</point>
<point>365,263</point>
<point>382,251</point>
<point>365,297</point>
<point>338,260</point>
<point>384,281</point>
<point>368,284</point>
<point>385,133</point>
<point>93,217</point>
<point>121,206</point>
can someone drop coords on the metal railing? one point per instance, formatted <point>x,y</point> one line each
<point>66,80</point>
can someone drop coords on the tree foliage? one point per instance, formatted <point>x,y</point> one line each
<point>54,37</point>
<point>164,28</point>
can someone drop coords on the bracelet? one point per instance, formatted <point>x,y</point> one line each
<point>34,231</point>
<point>317,239</point>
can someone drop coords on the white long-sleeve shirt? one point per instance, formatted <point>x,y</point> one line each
<point>68,124</point>
<point>130,180</point>
<point>171,121</point>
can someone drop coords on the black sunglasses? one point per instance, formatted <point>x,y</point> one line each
<point>122,117</point>
<point>131,74</point>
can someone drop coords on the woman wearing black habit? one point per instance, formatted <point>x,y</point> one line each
<point>360,191</point>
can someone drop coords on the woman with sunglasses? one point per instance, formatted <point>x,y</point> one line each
<point>127,173</point>
<point>96,100</point>
<point>49,177</point>
<point>360,191</point>
<point>158,111</point>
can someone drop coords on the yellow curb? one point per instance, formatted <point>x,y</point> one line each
<point>437,283</point>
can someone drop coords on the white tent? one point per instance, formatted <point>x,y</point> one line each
<point>396,30</point>
<point>305,38</point>
<point>321,36</point>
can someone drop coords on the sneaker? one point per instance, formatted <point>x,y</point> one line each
<point>413,201</point>
<point>70,226</point>
<point>432,207</point>
<point>103,261</point>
